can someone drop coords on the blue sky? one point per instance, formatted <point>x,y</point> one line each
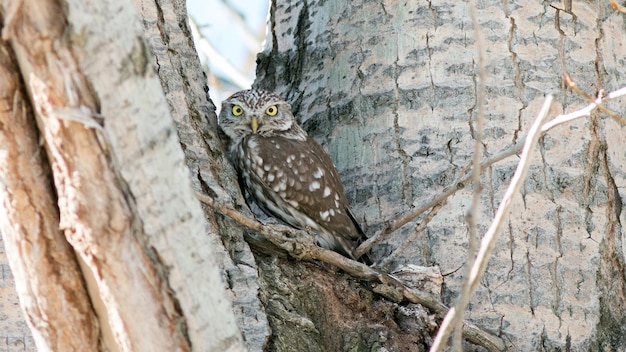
<point>225,32</point>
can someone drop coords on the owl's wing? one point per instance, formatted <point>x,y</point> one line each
<point>302,175</point>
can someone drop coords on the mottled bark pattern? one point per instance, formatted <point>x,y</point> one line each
<point>316,308</point>
<point>167,30</point>
<point>389,89</point>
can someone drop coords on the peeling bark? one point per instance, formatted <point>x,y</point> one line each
<point>47,274</point>
<point>97,212</point>
<point>124,197</point>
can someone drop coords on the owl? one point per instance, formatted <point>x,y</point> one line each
<point>286,172</point>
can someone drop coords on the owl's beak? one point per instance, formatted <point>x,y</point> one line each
<point>254,124</point>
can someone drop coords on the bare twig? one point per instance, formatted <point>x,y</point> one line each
<point>489,240</point>
<point>618,7</point>
<point>300,245</point>
<point>387,260</point>
<point>407,217</point>
<point>569,82</point>
<point>476,173</point>
<point>584,112</point>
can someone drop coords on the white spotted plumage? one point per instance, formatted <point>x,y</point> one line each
<point>286,172</point>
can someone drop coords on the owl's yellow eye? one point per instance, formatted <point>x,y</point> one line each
<point>237,110</point>
<point>271,110</point>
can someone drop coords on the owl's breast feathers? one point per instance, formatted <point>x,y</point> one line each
<point>297,182</point>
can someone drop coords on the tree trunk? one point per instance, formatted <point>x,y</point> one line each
<point>390,90</point>
<point>123,197</point>
<point>47,271</point>
<point>183,81</point>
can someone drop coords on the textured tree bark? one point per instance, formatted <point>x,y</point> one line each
<point>48,277</point>
<point>124,200</point>
<point>167,31</point>
<point>389,89</point>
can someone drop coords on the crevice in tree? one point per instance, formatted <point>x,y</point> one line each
<point>511,247</point>
<point>561,51</point>
<point>612,274</point>
<point>407,192</point>
<point>557,289</point>
<point>531,286</point>
<point>517,79</point>
<point>546,170</point>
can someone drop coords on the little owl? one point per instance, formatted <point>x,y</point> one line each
<point>285,171</point>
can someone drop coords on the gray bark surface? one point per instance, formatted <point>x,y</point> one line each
<point>389,89</point>
<point>167,30</point>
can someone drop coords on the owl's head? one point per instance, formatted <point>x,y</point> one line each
<point>258,112</point>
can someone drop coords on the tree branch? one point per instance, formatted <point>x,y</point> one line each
<point>301,245</point>
<point>618,7</point>
<point>569,82</point>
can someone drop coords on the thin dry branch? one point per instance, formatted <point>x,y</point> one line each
<point>461,182</point>
<point>491,236</point>
<point>569,82</point>
<point>419,228</point>
<point>301,245</point>
<point>618,7</point>
<point>584,112</point>
<point>407,217</point>
<point>476,172</point>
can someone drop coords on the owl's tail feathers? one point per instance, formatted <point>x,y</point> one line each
<point>347,247</point>
<point>366,257</point>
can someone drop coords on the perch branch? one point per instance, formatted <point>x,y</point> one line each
<point>491,236</point>
<point>301,245</point>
